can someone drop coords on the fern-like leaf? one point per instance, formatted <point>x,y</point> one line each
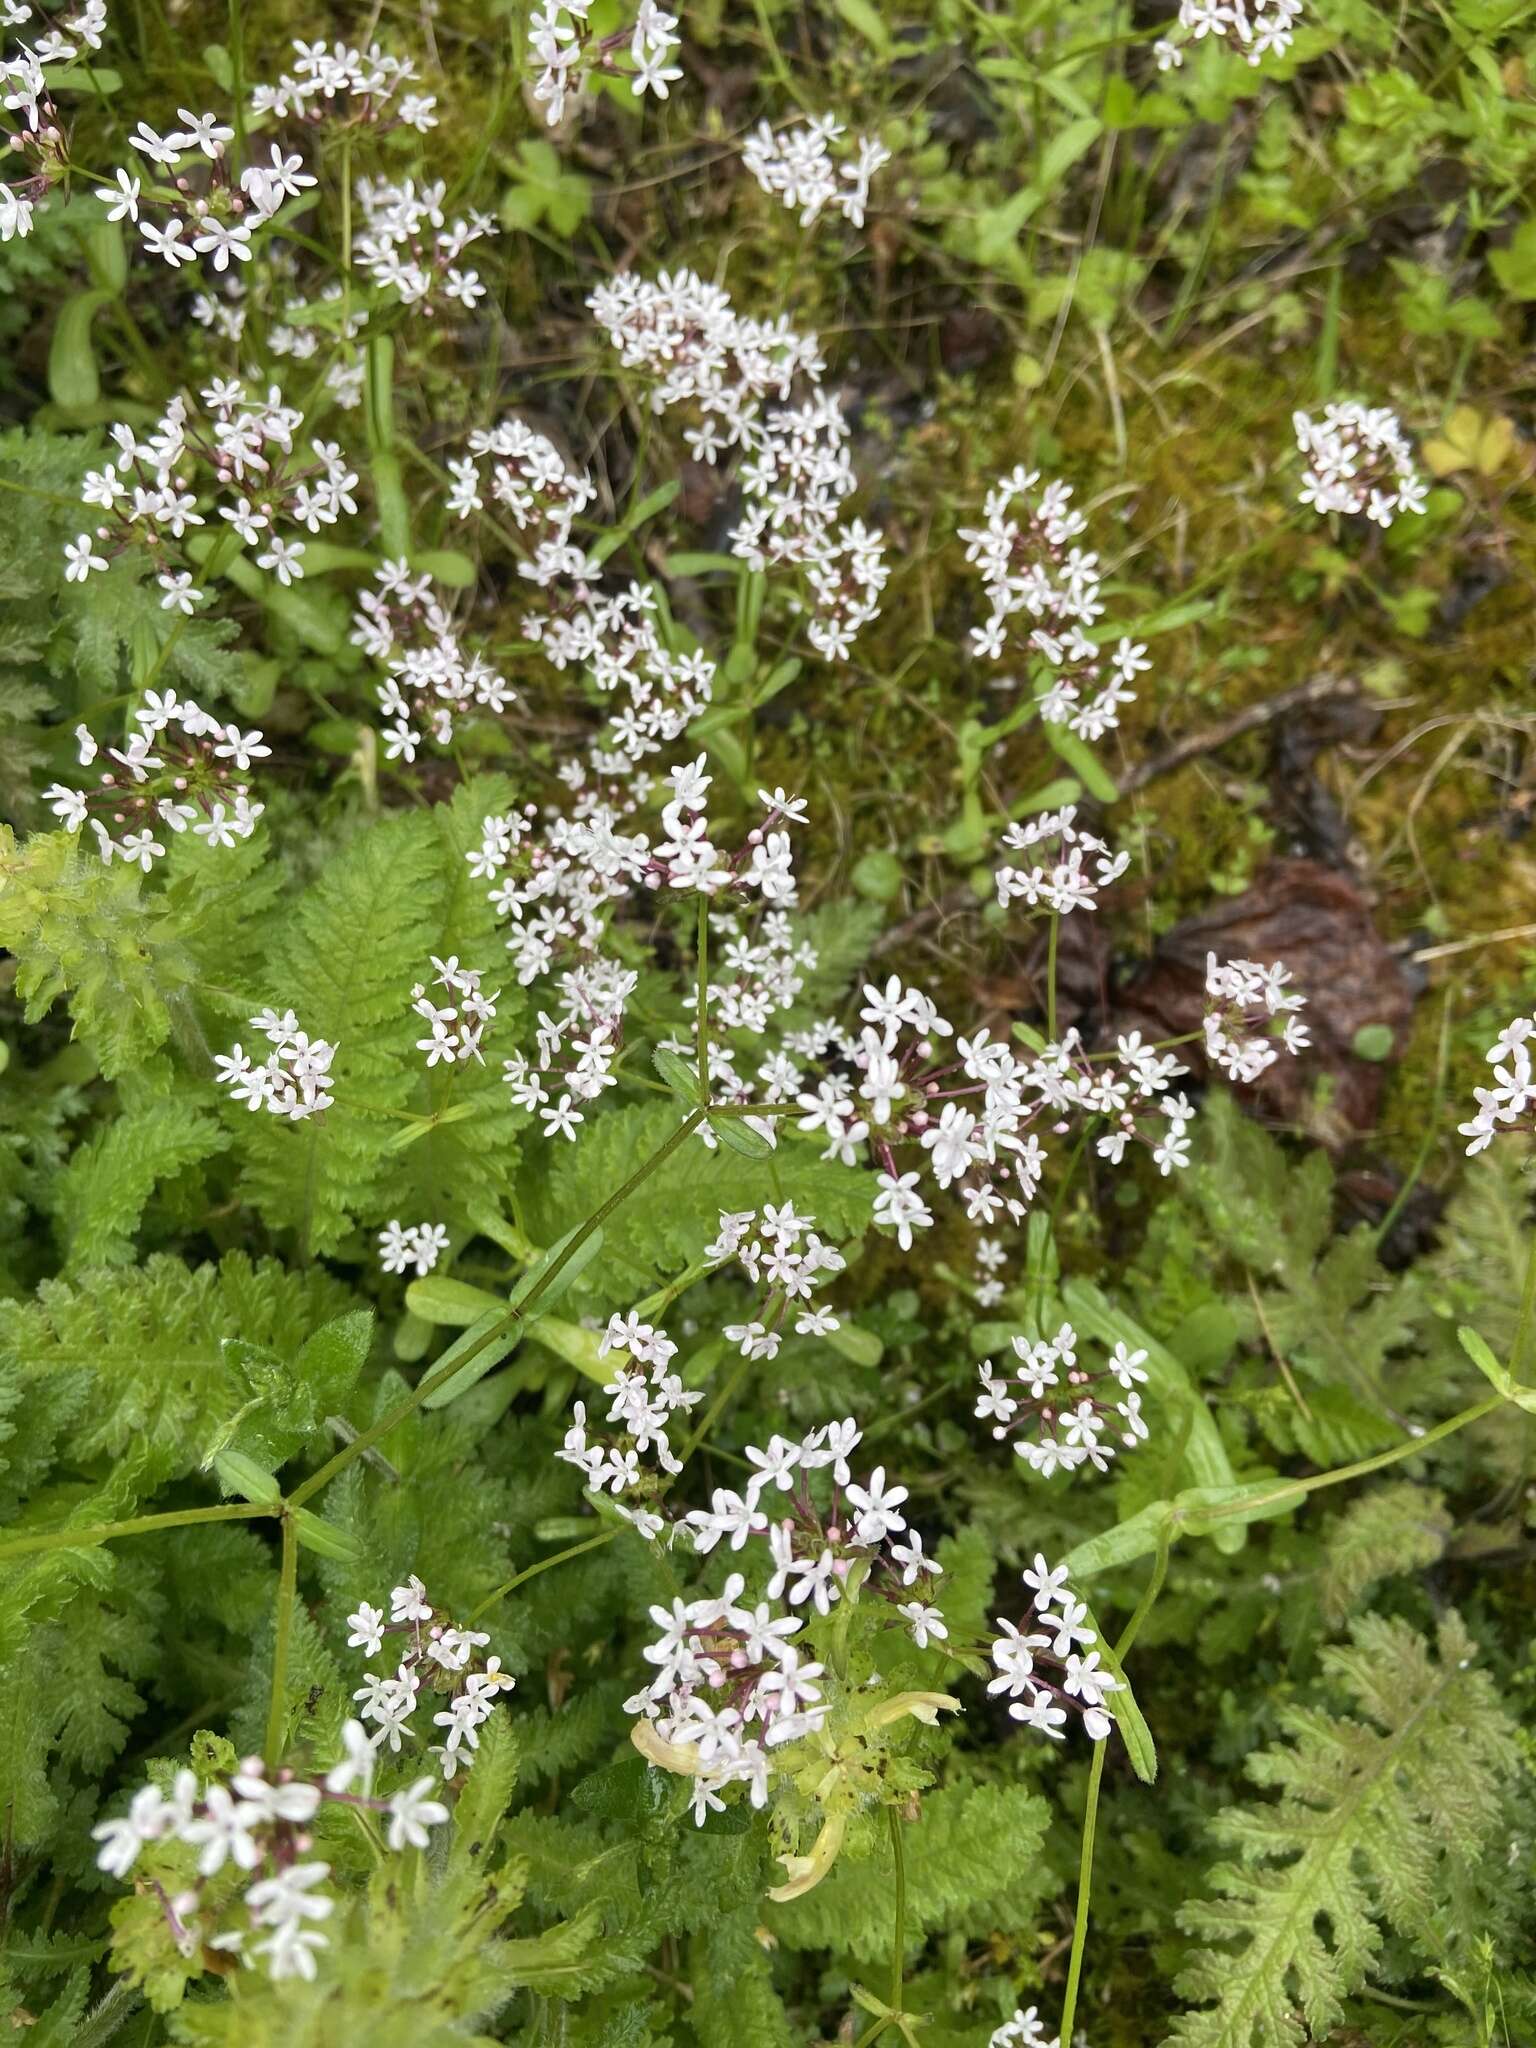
<point>1387,1531</point>
<point>101,1194</point>
<point>974,1857</point>
<point>344,961</point>
<point>139,1354</point>
<point>1373,1817</point>
<point>676,1211</point>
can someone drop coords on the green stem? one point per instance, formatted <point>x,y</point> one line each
<point>287,1600</point>
<point>1050,978</point>
<point>1145,1604</point>
<point>136,1525</point>
<point>545,1564</point>
<point>1084,1890</point>
<point>702,1022</point>
<point>899,1936</point>
<point>1095,1780</point>
<point>712,1412</point>
<point>1298,1489</point>
<point>396,1415</point>
<point>1527,1310</point>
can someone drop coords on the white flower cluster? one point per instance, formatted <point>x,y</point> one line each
<point>796,472</point>
<point>972,1112</point>
<point>432,682</point>
<point>1259,28</point>
<point>900,1088</point>
<point>410,247</point>
<point>1513,1094</point>
<point>454,1030</point>
<point>25,93</point>
<point>1025,2030</point>
<point>248,445</point>
<point>1239,1032</point>
<point>418,1245</point>
<point>1050,1667</point>
<point>644,1402</point>
<point>1358,460</point>
<point>780,1252</point>
<point>405,242</point>
<point>207,210</point>
<point>294,1080</point>
<point>1051,1394</point>
<point>526,475</point>
<point>437,1656</point>
<point>590,999</point>
<point>562,42</point>
<point>767,967</point>
<point>1030,566</point>
<point>1127,1085</point>
<point>731,1686</point>
<point>585,863</point>
<point>347,87</point>
<point>688,858</point>
<point>261,1823</point>
<point>177,770</point>
<point>796,165</point>
<point>590,1003</point>
<point>990,1256</point>
<point>1084,864</point>
<point>571,866</point>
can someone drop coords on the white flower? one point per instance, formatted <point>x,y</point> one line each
<point>926,1623</point>
<point>409,1602</point>
<point>80,559</point>
<point>877,1504</point>
<point>224,1832</point>
<point>355,1767</point>
<point>123,204</point>
<point>367,1626</point>
<point>411,1813</point>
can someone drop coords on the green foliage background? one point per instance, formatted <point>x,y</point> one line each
<point>1128,279</point>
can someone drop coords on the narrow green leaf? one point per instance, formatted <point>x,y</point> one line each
<point>500,1346</point>
<point>862,1347</point>
<point>237,1473</point>
<point>1082,760</point>
<point>441,1299</point>
<point>737,1135</point>
<point>325,1539</point>
<point>73,379</point>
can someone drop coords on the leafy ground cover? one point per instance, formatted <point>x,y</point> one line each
<point>751,910</point>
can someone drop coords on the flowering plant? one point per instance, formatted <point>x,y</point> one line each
<point>545,1170</point>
